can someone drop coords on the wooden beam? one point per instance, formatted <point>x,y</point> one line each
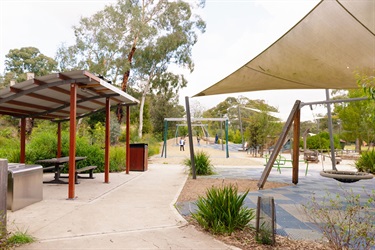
<point>58,140</point>
<point>296,136</point>
<point>72,141</point>
<point>107,139</point>
<point>66,92</point>
<point>127,139</point>
<point>30,105</point>
<point>278,145</point>
<point>23,140</point>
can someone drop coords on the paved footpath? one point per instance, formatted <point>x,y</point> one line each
<point>134,211</point>
<point>290,218</point>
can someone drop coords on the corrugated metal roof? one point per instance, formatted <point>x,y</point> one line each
<point>48,97</point>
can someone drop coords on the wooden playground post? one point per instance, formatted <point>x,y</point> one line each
<point>279,144</point>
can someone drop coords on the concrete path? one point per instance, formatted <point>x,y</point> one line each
<point>291,221</point>
<point>134,211</point>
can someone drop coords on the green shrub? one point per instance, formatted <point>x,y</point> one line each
<point>264,236</point>
<point>41,145</point>
<point>93,152</point>
<point>19,238</point>
<point>117,162</point>
<point>203,164</point>
<point>222,211</point>
<point>153,145</point>
<point>321,141</point>
<point>347,221</point>
<point>10,149</point>
<point>234,136</point>
<point>12,240</point>
<point>366,163</point>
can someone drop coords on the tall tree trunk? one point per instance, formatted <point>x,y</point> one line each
<point>142,105</point>
<point>124,85</point>
<point>358,145</point>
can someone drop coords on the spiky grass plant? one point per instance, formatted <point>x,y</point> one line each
<point>20,238</point>
<point>222,210</point>
<point>366,163</point>
<point>202,162</point>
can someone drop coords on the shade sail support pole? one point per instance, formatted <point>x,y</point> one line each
<point>190,132</point>
<point>164,151</point>
<point>332,145</point>
<point>226,138</point>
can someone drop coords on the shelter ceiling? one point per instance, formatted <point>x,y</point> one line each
<point>48,97</point>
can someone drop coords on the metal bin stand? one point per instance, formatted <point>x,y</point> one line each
<point>25,185</point>
<point>138,157</point>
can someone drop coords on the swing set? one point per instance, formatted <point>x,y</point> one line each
<point>197,122</point>
<point>205,133</point>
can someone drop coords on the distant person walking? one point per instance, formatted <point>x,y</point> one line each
<point>198,139</point>
<point>216,139</point>
<point>182,144</point>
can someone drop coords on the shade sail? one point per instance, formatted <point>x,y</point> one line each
<point>323,51</point>
<point>48,97</point>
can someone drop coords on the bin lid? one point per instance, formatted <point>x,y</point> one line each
<point>138,144</point>
<point>17,168</point>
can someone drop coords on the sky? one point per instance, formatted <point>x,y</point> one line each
<point>236,32</point>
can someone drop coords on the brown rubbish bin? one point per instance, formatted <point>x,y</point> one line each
<point>138,157</point>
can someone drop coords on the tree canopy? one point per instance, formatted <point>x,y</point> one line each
<point>18,62</point>
<point>357,118</point>
<point>135,43</point>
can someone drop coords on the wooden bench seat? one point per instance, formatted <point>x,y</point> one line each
<point>51,168</point>
<point>90,170</point>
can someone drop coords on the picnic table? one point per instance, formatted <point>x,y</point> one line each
<point>57,164</point>
<point>282,162</point>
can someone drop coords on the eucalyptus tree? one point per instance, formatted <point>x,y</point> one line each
<point>367,83</point>
<point>164,104</point>
<point>137,41</point>
<point>252,116</point>
<point>357,118</point>
<point>18,62</point>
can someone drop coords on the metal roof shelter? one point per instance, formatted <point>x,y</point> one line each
<point>61,97</point>
<point>322,51</point>
<point>48,97</point>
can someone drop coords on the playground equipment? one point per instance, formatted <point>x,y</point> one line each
<point>294,118</point>
<point>195,120</point>
<point>205,135</point>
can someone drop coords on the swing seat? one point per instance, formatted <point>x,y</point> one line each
<point>346,176</point>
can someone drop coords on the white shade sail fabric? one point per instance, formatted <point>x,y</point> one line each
<point>324,50</point>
